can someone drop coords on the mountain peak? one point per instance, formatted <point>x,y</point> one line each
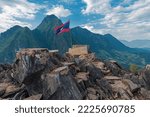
<point>16,27</point>
<point>78,28</point>
<point>51,17</point>
<point>11,31</point>
<point>49,20</point>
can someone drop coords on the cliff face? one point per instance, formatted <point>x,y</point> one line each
<point>39,73</point>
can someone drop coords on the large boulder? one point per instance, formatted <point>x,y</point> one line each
<point>114,68</point>
<point>5,73</point>
<point>145,74</point>
<point>67,89</point>
<point>30,62</point>
<point>44,72</point>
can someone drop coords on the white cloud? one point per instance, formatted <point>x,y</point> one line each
<point>127,2</point>
<point>141,13</point>
<point>125,22</point>
<point>59,11</point>
<point>139,4</point>
<point>13,11</point>
<point>96,6</point>
<point>90,28</point>
<point>7,21</point>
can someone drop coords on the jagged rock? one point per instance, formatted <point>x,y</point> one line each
<point>68,89</point>
<point>11,90</point>
<point>123,94</point>
<point>145,93</point>
<point>105,87</point>
<point>2,91</point>
<point>94,73</point>
<point>99,65</point>
<point>82,76</point>
<point>51,83</point>
<point>114,68</point>
<point>4,67</point>
<point>118,84</point>
<point>135,79</point>
<point>130,93</point>
<point>92,97</point>
<point>5,71</point>
<point>20,95</point>
<point>82,86</point>
<point>146,76</point>
<point>91,90</point>
<point>39,73</point>
<point>62,70</point>
<point>119,89</point>
<point>30,61</point>
<point>112,78</point>
<point>3,87</point>
<point>68,63</point>
<point>87,57</point>
<point>133,87</point>
<point>34,97</point>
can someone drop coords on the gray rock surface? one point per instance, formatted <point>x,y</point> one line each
<point>42,74</point>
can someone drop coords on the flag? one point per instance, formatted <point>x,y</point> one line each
<point>63,28</point>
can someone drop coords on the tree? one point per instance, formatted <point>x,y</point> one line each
<point>134,68</point>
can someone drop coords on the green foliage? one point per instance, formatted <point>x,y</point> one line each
<point>134,68</point>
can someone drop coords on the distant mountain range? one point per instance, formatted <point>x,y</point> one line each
<point>105,46</point>
<point>137,43</point>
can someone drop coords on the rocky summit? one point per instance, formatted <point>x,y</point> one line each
<point>42,74</point>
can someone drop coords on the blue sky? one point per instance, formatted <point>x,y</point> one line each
<point>125,19</point>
